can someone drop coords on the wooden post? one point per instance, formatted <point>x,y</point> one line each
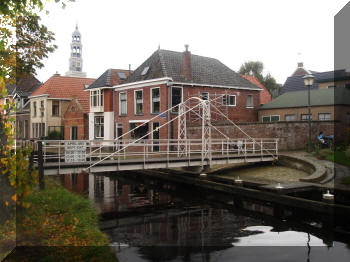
<point>41,165</point>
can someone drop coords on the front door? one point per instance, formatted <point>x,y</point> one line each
<point>74,133</point>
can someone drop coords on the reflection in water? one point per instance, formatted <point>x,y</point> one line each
<point>149,220</point>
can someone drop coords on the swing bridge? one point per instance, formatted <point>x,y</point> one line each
<point>199,153</point>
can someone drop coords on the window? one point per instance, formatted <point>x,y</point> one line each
<point>34,109</point>
<point>99,127</point>
<point>74,133</point>
<point>229,100</point>
<point>145,71</point>
<point>122,104</point>
<point>331,86</point>
<point>250,101</point>
<point>25,129</point>
<point>140,131</point>
<point>121,75</point>
<point>155,136</point>
<point>275,118</point>
<point>55,108</point>
<point>176,98</point>
<point>290,117</point>
<point>205,96</point>
<point>42,108</point>
<point>73,109</point>
<point>324,116</point>
<point>155,100</point>
<point>20,128</point>
<point>96,98</point>
<point>138,95</point>
<point>305,117</point>
<point>266,119</point>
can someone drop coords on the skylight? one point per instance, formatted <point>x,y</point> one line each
<point>122,75</point>
<point>145,70</point>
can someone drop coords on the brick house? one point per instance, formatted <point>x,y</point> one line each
<point>102,97</point>
<point>265,95</point>
<point>50,102</point>
<point>166,79</point>
<point>326,104</point>
<point>19,94</point>
<point>76,119</point>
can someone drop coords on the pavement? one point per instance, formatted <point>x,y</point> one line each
<point>330,174</point>
<point>338,172</point>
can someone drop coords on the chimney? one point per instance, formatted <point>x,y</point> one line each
<point>186,64</point>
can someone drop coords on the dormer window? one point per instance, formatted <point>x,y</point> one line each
<point>145,71</point>
<point>121,75</point>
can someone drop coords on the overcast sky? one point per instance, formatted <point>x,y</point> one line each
<point>118,33</point>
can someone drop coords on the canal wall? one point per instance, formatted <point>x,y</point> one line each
<point>292,135</point>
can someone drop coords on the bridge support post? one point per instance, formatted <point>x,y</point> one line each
<point>206,132</point>
<point>41,165</point>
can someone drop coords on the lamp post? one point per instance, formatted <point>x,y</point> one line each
<point>309,81</point>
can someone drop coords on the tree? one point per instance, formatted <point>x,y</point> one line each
<point>256,68</point>
<point>24,42</point>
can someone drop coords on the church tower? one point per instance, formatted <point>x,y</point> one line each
<point>76,60</point>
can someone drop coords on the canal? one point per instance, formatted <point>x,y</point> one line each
<point>148,219</point>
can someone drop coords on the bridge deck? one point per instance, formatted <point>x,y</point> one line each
<point>55,168</point>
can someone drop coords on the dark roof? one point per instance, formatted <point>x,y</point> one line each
<point>296,82</point>
<point>110,77</point>
<point>318,97</point>
<point>24,86</point>
<point>205,70</point>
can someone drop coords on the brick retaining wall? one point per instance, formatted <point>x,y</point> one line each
<point>292,135</point>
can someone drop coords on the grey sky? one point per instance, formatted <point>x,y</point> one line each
<point>118,33</point>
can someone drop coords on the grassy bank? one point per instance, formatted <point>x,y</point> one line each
<point>63,222</point>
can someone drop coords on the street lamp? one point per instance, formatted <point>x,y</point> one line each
<point>309,81</point>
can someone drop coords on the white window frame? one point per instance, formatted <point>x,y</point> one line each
<point>310,116</point>
<point>25,129</point>
<point>35,110</point>
<point>103,126</point>
<point>252,96</point>
<point>151,96</point>
<point>324,114</point>
<point>99,97</point>
<point>229,100</point>
<point>279,118</point>
<point>171,97</point>
<point>143,108</point>
<point>262,119</point>
<point>289,115</point>
<point>126,104</point>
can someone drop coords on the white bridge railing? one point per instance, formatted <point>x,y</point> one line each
<point>145,150</point>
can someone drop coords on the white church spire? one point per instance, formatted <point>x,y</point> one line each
<point>76,59</point>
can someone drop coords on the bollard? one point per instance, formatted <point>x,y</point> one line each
<point>41,165</point>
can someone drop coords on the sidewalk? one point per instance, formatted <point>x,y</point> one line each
<point>339,171</point>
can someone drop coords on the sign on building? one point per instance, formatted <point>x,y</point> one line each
<point>75,151</point>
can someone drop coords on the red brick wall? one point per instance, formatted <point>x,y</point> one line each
<point>108,100</point>
<point>77,118</point>
<point>291,135</point>
<point>238,113</point>
<point>146,108</point>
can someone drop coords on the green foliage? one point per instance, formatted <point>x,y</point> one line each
<point>256,68</point>
<point>59,218</point>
